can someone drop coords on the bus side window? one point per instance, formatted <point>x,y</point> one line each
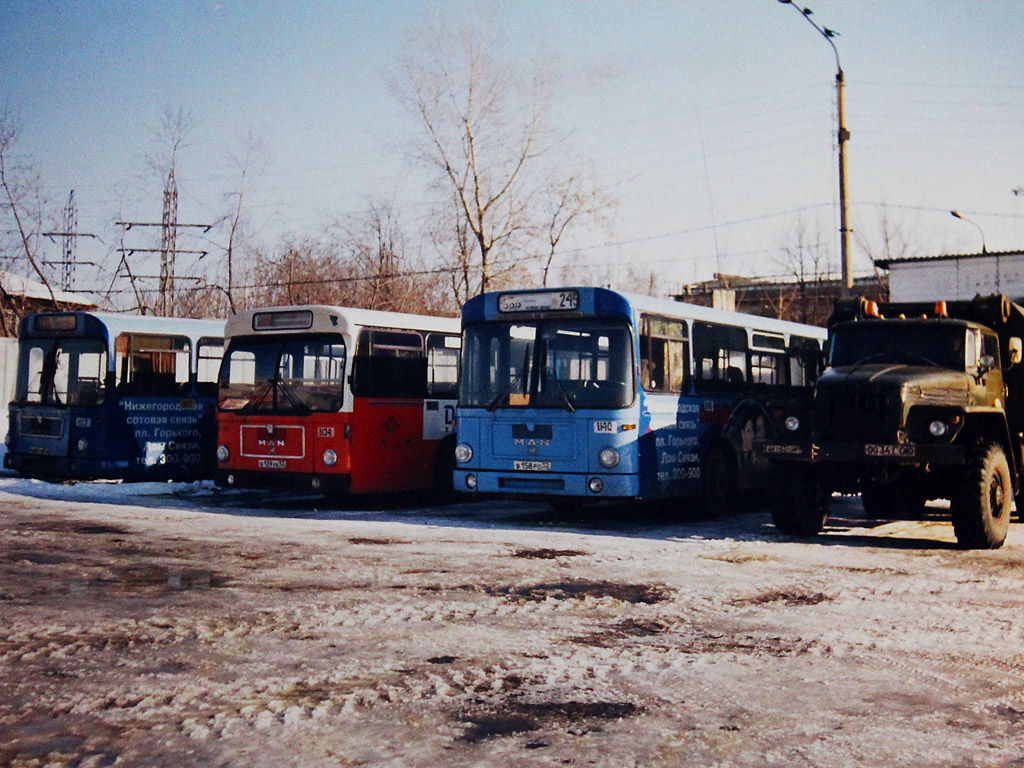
<point>664,355</point>
<point>443,359</point>
<point>721,354</point>
<point>389,363</point>
<point>804,361</point>
<point>152,365</point>
<point>209,352</point>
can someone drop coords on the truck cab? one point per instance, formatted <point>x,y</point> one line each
<point>913,405</point>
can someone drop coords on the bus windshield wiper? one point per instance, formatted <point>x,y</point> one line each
<point>493,403</point>
<point>259,396</point>
<point>570,406</point>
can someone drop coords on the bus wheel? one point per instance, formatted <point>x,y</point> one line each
<point>981,509</point>
<point>718,489</point>
<point>799,502</point>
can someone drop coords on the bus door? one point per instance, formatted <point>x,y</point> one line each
<point>669,464</point>
<point>389,385</point>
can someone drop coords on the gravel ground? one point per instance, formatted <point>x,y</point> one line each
<point>163,625</point>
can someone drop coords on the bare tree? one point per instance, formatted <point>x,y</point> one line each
<point>24,206</point>
<point>247,162</point>
<point>807,256</point>
<point>566,201</point>
<point>501,205</point>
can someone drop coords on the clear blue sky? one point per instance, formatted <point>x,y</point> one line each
<point>711,122</point>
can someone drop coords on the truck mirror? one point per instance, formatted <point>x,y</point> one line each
<point>1015,349</point>
<point>987,362</point>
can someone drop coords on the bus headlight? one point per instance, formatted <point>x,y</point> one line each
<point>595,484</point>
<point>792,423</point>
<point>83,445</point>
<point>463,453</point>
<point>609,457</point>
<point>223,454</point>
<point>938,428</point>
<point>330,457</point>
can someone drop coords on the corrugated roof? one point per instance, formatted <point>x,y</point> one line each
<point>884,263</point>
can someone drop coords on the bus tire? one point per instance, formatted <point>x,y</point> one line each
<point>718,483</point>
<point>799,502</point>
<point>981,508</point>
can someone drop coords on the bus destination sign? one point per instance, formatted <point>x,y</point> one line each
<point>540,301</point>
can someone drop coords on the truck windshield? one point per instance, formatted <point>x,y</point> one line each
<point>567,364</point>
<point>282,374</point>
<point>909,343</point>
<point>62,372</point>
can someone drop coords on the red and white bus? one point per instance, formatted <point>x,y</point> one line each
<point>337,400</point>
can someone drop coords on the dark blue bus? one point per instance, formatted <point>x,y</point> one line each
<point>108,396</point>
<point>584,394</point>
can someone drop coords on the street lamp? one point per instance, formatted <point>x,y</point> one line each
<point>957,215</point>
<point>843,135</point>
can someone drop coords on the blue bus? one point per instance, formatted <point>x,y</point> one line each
<point>580,394</point>
<point>119,397</point>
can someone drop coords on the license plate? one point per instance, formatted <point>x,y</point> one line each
<point>273,464</point>
<point>902,451</point>
<point>532,466</point>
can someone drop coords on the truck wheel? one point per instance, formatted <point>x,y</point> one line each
<point>718,487</point>
<point>897,500</point>
<point>799,502</point>
<point>981,509</point>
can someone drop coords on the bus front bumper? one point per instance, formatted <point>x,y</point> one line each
<point>306,482</point>
<point>547,484</point>
<point>63,468</point>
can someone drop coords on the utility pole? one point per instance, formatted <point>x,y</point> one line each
<point>70,234</point>
<point>843,136</point>
<point>168,249</point>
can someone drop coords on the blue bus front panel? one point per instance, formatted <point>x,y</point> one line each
<point>549,452</point>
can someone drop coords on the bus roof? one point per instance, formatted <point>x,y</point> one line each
<point>323,318</point>
<point>604,301</point>
<point>116,324</point>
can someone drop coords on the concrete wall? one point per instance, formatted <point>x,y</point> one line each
<point>8,376</point>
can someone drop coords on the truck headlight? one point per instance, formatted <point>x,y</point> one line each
<point>595,484</point>
<point>463,453</point>
<point>938,428</point>
<point>792,423</point>
<point>83,445</point>
<point>609,457</point>
<point>471,482</point>
<point>223,454</point>
<point>330,457</point>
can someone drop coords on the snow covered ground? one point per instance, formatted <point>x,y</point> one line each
<point>171,625</point>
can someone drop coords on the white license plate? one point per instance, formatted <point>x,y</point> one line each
<point>273,464</point>
<point>532,466</point>
<point>904,451</point>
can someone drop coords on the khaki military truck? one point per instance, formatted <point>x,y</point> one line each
<point>917,402</point>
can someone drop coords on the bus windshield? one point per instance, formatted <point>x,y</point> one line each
<point>283,374</point>
<point>68,371</point>
<point>565,364</point>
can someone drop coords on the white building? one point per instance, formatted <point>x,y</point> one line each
<point>955,276</point>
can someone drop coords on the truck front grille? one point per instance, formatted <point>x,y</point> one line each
<point>857,412</point>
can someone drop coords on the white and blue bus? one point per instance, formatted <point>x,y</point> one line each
<point>587,394</point>
<point>120,397</point>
